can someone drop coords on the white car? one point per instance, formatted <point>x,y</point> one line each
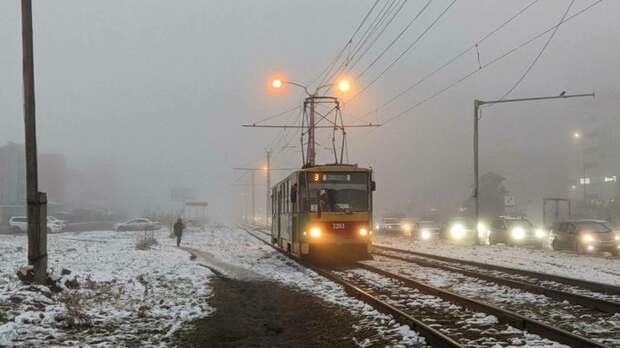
<point>56,221</point>
<point>139,224</point>
<point>19,224</point>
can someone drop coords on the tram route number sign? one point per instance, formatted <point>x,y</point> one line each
<point>339,226</point>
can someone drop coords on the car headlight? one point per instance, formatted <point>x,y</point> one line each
<point>540,233</point>
<point>517,233</point>
<point>482,229</point>
<point>588,238</point>
<point>377,226</point>
<point>363,232</point>
<point>315,232</point>
<point>407,227</point>
<point>617,237</point>
<point>457,231</point>
<point>425,234</point>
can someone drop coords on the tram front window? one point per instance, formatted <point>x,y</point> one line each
<point>339,193</point>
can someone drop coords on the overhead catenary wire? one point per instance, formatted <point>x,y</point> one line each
<point>451,60</point>
<point>529,68</point>
<point>364,37</point>
<point>347,44</point>
<point>486,65</point>
<point>378,36</point>
<point>402,32</point>
<point>402,54</point>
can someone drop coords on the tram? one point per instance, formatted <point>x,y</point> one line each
<point>324,212</point>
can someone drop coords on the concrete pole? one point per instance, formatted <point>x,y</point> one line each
<point>37,201</point>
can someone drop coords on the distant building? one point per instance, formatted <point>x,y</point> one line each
<point>601,157</point>
<point>52,179</point>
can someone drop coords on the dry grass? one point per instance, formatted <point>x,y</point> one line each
<point>75,303</point>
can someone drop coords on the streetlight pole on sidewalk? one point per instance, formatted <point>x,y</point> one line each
<point>37,201</point>
<point>477,104</point>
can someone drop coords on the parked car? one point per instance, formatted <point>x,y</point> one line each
<point>395,225</point>
<point>426,229</point>
<point>586,236</point>
<point>138,224</point>
<point>511,230</point>
<point>19,224</point>
<point>464,230</point>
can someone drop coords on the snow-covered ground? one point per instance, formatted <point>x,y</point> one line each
<point>110,307</point>
<point>125,296</point>
<point>235,253</point>
<point>592,268</point>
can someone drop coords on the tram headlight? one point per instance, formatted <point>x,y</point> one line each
<point>425,234</point>
<point>540,233</point>
<point>315,232</point>
<point>517,233</point>
<point>457,231</point>
<point>363,232</point>
<point>407,227</point>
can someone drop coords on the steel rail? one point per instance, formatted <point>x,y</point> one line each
<point>432,336</point>
<point>594,286</point>
<point>585,301</point>
<point>505,316</point>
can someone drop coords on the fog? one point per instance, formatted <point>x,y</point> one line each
<point>145,96</point>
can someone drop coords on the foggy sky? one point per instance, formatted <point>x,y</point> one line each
<point>156,91</point>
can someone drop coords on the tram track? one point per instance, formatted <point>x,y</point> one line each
<point>443,322</point>
<point>607,291</point>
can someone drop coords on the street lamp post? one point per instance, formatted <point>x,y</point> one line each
<point>583,181</point>
<point>310,101</point>
<point>477,104</point>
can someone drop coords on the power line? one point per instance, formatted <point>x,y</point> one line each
<point>344,64</point>
<point>428,28</point>
<point>452,60</point>
<point>347,44</point>
<point>359,58</point>
<point>529,68</point>
<point>354,57</point>
<point>495,60</point>
<point>394,40</point>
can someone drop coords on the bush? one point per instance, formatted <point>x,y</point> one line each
<point>74,302</point>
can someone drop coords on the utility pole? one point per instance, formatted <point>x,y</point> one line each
<point>37,201</point>
<point>268,188</point>
<point>477,104</point>
<point>253,183</point>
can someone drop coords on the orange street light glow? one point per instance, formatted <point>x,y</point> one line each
<point>277,83</point>
<point>344,86</point>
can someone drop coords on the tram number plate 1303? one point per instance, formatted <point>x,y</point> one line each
<point>338,226</point>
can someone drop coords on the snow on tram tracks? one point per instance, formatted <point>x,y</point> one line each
<point>458,320</point>
<point>586,322</point>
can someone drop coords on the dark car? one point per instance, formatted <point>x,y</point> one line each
<point>586,236</point>
<point>516,231</point>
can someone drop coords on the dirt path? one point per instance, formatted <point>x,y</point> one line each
<point>265,314</point>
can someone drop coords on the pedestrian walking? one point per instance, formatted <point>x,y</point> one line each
<point>178,230</point>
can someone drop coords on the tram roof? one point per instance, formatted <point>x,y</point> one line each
<point>335,168</point>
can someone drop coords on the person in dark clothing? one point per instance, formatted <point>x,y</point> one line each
<point>178,230</point>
